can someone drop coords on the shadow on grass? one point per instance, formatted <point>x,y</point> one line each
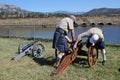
<point>50,61</point>
<point>45,61</point>
<point>81,62</point>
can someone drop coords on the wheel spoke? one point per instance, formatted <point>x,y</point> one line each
<point>92,56</point>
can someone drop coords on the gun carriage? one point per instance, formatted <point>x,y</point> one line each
<point>68,58</point>
<point>34,48</point>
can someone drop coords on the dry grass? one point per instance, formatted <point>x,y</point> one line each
<point>54,20</point>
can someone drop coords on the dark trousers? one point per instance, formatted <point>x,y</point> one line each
<point>59,41</point>
<point>99,45</point>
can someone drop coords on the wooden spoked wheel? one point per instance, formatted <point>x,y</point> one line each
<point>92,56</point>
<point>38,50</point>
<point>22,46</point>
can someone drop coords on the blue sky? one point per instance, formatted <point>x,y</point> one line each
<point>64,5</point>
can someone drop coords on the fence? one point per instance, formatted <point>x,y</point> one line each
<point>30,31</point>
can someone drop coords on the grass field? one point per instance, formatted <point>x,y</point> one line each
<point>28,68</point>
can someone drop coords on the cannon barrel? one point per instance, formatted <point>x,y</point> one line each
<point>37,49</point>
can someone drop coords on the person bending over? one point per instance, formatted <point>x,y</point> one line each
<point>95,37</point>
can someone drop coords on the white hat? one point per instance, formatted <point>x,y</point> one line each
<point>94,38</point>
<point>73,17</point>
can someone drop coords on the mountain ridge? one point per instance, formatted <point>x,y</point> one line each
<point>103,11</point>
<point>93,12</point>
<point>10,8</point>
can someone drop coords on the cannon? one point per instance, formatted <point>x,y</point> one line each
<point>68,58</point>
<point>25,48</point>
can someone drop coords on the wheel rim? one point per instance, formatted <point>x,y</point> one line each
<point>38,51</point>
<point>92,56</point>
<point>22,46</point>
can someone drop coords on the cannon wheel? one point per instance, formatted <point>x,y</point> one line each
<point>92,56</point>
<point>21,46</point>
<point>38,51</point>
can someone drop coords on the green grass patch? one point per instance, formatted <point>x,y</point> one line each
<point>28,68</point>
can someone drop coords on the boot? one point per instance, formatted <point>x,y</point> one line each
<point>103,62</point>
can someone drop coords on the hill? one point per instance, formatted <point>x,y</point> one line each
<point>6,10</point>
<point>11,13</point>
<point>103,11</point>
<point>10,8</point>
<point>94,12</point>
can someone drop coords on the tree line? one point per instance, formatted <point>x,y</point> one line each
<point>29,15</point>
